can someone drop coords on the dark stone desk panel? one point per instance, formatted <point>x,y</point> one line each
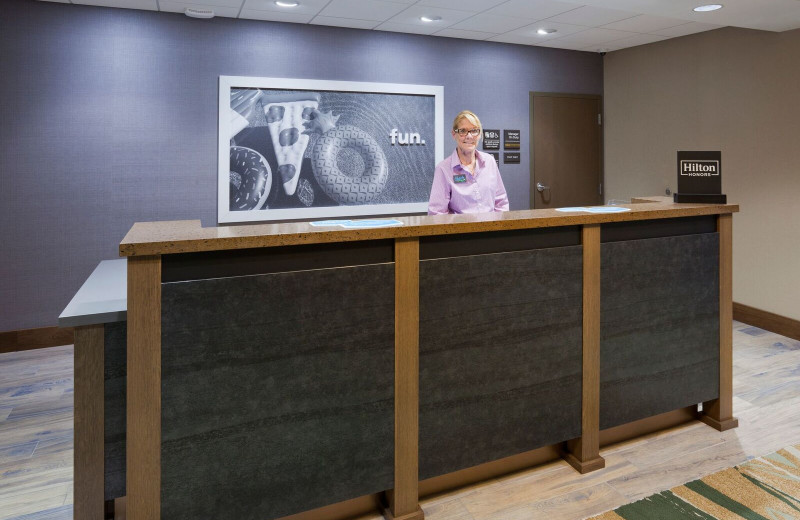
<point>659,228</point>
<point>277,392</point>
<point>659,332</point>
<point>500,355</point>
<point>115,361</point>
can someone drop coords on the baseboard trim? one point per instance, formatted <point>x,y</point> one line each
<point>30,339</point>
<point>767,321</point>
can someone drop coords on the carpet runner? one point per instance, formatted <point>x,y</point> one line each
<point>765,488</point>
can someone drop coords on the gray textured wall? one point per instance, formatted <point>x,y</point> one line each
<point>109,116</point>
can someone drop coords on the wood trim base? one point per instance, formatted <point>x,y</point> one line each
<point>30,339</point>
<point>724,425</point>
<point>489,470</point>
<point>343,510</point>
<point>414,515</point>
<point>767,321</point>
<point>584,466</point>
<point>647,426</point>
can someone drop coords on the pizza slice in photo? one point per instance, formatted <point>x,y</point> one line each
<point>286,114</point>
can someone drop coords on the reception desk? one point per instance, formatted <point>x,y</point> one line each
<point>282,370</point>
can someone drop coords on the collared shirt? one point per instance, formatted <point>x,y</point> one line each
<point>457,190</point>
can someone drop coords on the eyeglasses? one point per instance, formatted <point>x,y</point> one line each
<point>474,132</point>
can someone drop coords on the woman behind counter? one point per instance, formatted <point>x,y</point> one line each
<point>468,181</point>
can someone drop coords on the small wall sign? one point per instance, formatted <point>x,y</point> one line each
<point>511,139</point>
<point>700,177</point>
<point>511,157</point>
<point>491,139</point>
<point>496,156</point>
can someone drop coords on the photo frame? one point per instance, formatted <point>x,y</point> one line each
<point>300,149</point>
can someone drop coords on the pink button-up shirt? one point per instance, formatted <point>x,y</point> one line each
<point>456,190</point>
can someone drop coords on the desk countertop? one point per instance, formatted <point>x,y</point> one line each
<point>157,238</point>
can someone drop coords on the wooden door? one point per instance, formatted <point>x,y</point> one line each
<point>567,150</point>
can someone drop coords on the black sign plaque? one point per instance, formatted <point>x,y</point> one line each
<point>511,139</point>
<point>700,178</point>
<point>496,156</point>
<point>491,139</point>
<point>511,157</point>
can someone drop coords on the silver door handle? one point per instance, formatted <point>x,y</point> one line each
<point>541,187</point>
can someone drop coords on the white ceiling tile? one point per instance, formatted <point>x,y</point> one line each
<point>532,9</point>
<point>528,36</point>
<point>199,3</point>
<point>592,16</point>
<point>510,38</point>
<point>766,15</point>
<point>639,39</point>
<point>686,29</point>
<point>407,28</point>
<point>366,9</point>
<point>147,5</point>
<point>595,36</point>
<point>344,22</point>
<point>305,7</point>
<point>644,23</point>
<point>555,44</point>
<point>469,35</point>
<point>411,16</point>
<point>491,23</point>
<point>274,16</point>
<point>169,6</point>
<point>462,5</point>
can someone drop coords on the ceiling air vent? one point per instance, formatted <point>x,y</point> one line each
<point>191,12</point>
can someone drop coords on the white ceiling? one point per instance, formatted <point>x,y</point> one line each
<point>585,25</point>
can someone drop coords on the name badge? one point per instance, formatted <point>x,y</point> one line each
<point>458,179</point>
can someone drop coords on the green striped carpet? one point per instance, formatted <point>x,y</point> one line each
<point>766,488</point>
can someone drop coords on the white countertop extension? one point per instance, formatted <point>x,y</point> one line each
<point>103,297</point>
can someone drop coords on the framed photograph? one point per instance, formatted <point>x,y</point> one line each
<point>299,149</point>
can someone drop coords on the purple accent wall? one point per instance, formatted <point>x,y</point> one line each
<point>109,117</point>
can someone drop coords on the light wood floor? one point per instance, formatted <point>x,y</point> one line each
<point>36,444</point>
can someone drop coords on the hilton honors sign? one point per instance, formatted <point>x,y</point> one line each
<point>700,178</point>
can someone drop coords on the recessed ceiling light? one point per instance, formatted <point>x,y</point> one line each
<point>546,31</point>
<point>286,3</point>
<point>429,19</point>
<point>191,12</point>
<point>709,7</point>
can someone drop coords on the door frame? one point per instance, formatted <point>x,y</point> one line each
<point>531,174</point>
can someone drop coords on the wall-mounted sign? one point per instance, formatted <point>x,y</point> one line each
<point>511,157</point>
<point>308,149</point>
<point>491,139</point>
<point>496,156</point>
<point>700,177</point>
<point>511,139</point>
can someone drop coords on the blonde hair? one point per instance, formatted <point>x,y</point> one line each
<point>469,116</point>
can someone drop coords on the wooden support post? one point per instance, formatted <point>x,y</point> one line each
<point>583,453</point>
<point>404,498</point>
<point>143,441</point>
<point>89,458</point>
<point>718,413</point>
